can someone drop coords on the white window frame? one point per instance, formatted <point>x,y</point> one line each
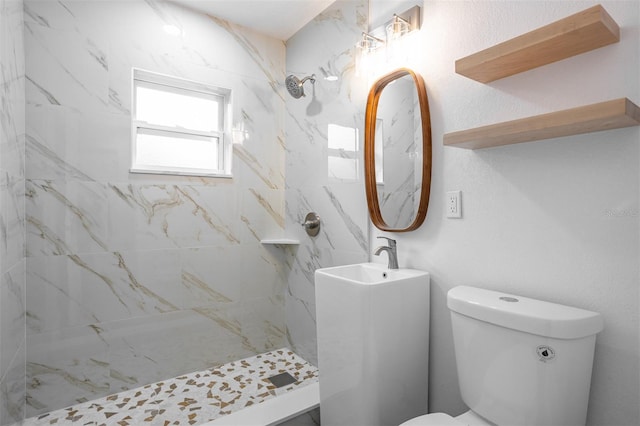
<point>347,154</point>
<point>144,78</point>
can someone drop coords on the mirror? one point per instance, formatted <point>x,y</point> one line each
<point>397,149</point>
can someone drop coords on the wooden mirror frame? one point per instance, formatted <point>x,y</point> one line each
<point>369,150</point>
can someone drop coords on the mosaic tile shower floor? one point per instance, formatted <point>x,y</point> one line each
<point>191,399</point>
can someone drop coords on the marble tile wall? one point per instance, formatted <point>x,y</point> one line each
<point>326,47</point>
<point>12,215</point>
<point>135,278</point>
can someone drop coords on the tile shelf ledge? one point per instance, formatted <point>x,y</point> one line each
<point>596,117</point>
<point>280,241</point>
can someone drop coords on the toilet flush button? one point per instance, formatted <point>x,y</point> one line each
<point>509,299</point>
<point>545,353</point>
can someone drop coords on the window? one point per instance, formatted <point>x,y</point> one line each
<point>343,152</point>
<point>179,127</point>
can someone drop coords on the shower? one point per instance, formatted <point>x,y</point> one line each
<point>294,85</point>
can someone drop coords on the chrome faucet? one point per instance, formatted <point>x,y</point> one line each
<point>391,252</point>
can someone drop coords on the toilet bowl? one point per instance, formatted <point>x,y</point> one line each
<point>442,419</point>
<point>520,361</point>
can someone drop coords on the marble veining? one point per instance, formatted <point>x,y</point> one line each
<point>48,96</point>
<point>340,203</point>
<point>253,163</point>
<point>253,52</point>
<point>193,398</point>
<point>37,149</point>
<point>12,213</point>
<point>117,262</point>
<point>354,228</point>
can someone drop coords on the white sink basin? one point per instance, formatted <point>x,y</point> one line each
<point>369,273</point>
<point>373,343</point>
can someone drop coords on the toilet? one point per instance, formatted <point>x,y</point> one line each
<point>520,361</point>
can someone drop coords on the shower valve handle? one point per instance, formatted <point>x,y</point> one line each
<point>311,224</point>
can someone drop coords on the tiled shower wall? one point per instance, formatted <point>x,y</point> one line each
<point>324,47</point>
<point>12,225</point>
<point>135,278</point>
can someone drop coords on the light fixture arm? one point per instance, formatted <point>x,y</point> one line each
<point>367,36</point>
<point>398,18</point>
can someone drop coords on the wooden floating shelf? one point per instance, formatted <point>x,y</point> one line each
<point>585,119</point>
<point>587,30</point>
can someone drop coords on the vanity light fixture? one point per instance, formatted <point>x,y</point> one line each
<point>367,53</point>
<point>369,43</point>
<point>371,57</point>
<point>398,27</point>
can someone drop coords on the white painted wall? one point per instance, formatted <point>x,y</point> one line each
<point>556,219</point>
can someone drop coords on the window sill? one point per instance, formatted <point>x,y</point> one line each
<point>181,173</point>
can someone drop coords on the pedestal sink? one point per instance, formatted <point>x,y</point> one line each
<point>373,344</point>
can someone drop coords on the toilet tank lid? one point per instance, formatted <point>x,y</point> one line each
<point>524,314</point>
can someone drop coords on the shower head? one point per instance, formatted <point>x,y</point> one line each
<point>294,85</point>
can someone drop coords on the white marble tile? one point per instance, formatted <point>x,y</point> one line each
<point>120,262</point>
<point>262,213</point>
<point>12,223</point>
<point>347,214</point>
<point>300,296</point>
<point>342,209</point>
<point>12,314</point>
<point>72,16</point>
<point>210,276</point>
<point>12,123</point>
<point>12,162</point>
<point>340,102</point>
<point>169,216</point>
<point>83,289</point>
<point>12,226</point>
<point>65,367</point>
<point>82,363</point>
<point>12,97</point>
<point>12,389</point>
<point>64,69</point>
<point>66,217</point>
<point>147,349</point>
<point>220,276</point>
<point>80,145</point>
<point>255,325</point>
<point>265,276</point>
<point>236,49</point>
<point>341,205</point>
<point>139,40</point>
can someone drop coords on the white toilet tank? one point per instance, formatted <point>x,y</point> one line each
<point>522,361</point>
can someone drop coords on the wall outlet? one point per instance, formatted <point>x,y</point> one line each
<point>453,204</point>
